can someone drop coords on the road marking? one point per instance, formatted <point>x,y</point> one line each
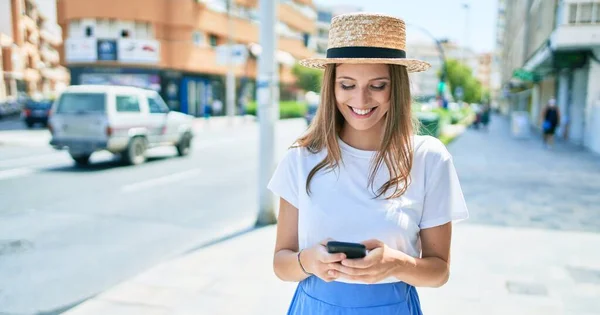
<point>16,172</point>
<point>135,187</point>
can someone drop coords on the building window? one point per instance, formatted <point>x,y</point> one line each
<point>585,13</point>
<point>74,29</point>
<point>213,40</point>
<point>143,30</point>
<point>198,38</point>
<point>89,31</point>
<point>573,13</point>
<point>306,38</point>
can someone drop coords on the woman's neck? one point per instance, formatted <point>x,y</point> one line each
<point>368,140</point>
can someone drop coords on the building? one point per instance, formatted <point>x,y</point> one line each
<point>496,79</point>
<point>424,84</point>
<point>324,16</point>
<point>172,46</point>
<point>552,50</point>
<point>30,62</point>
<point>483,72</point>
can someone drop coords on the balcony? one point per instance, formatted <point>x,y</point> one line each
<point>295,47</point>
<point>29,23</point>
<point>50,38</point>
<point>245,31</point>
<point>182,14</point>
<point>579,25</point>
<point>295,19</point>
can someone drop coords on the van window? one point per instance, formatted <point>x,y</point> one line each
<point>79,103</point>
<point>157,105</point>
<point>128,104</point>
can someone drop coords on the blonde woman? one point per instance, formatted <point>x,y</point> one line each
<point>361,175</point>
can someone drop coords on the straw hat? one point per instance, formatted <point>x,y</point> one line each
<point>367,38</point>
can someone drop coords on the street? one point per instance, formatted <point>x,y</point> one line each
<point>67,234</point>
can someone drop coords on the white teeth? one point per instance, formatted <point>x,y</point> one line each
<point>361,111</point>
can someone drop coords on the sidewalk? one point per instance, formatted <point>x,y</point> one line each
<point>530,247</point>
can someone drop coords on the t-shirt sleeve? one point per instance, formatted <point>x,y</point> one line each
<point>444,201</point>
<point>284,182</point>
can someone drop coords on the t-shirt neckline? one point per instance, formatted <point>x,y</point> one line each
<point>354,151</point>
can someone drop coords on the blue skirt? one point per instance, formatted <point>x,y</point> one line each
<point>315,296</point>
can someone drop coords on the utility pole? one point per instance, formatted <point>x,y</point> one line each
<point>230,81</point>
<point>466,6</point>
<point>267,94</point>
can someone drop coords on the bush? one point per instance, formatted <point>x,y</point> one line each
<point>430,123</point>
<point>287,109</point>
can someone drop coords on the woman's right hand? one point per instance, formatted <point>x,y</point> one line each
<point>317,260</point>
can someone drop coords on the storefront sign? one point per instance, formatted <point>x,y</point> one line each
<point>107,50</point>
<point>81,50</point>
<point>139,51</point>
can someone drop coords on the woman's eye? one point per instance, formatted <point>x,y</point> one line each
<point>347,87</point>
<point>378,87</point>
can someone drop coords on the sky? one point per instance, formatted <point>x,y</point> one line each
<point>442,18</point>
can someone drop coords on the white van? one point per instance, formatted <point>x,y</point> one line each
<point>122,120</point>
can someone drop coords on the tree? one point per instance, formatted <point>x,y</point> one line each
<point>460,75</point>
<point>308,79</point>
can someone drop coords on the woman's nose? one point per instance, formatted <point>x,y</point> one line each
<point>361,98</point>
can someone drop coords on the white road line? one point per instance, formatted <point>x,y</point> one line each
<point>135,187</point>
<point>16,172</point>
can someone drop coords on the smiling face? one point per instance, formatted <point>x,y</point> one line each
<point>362,94</point>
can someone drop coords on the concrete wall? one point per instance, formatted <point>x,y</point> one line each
<point>578,105</point>
<point>592,123</point>
<point>562,99</point>
<point>541,23</point>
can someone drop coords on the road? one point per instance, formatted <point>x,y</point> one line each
<point>67,234</point>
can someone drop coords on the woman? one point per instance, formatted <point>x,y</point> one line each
<point>551,119</point>
<point>361,175</point>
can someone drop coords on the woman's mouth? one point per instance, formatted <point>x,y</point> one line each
<point>362,113</point>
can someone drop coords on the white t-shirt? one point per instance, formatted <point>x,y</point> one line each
<point>342,206</point>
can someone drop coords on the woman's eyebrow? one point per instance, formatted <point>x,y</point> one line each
<point>374,79</point>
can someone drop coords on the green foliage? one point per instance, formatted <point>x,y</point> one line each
<point>287,109</point>
<point>460,75</point>
<point>308,79</point>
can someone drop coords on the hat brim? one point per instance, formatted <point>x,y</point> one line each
<point>412,65</point>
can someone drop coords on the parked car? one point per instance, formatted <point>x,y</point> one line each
<point>311,111</point>
<point>122,120</point>
<point>312,101</point>
<point>36,112</point>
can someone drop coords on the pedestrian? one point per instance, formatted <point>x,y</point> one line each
<point>550,120</point>
<point>486,112</point>
<point>360,174</point>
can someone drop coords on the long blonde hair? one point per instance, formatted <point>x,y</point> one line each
<point>396,149</point>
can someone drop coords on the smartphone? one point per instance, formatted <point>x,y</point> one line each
<point>352,250</point>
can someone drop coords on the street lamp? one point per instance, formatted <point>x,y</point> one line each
<point>467,7</point>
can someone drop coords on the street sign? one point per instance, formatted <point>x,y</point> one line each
<point>239,54</point>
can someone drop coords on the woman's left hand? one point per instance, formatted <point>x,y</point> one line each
<point>381,262</point>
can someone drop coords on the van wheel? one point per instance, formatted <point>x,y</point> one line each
<point>81,160</point>
<point>184,145</point>
<point>135,153</point>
